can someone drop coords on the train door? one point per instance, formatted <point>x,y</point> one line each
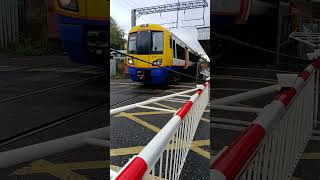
<point>174,52</point>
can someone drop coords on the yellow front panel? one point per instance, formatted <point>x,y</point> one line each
<point>80,13</point>
<point>98,9</point>
<point>88,9</point>
<point>140,64</point>
<point>167,51</point>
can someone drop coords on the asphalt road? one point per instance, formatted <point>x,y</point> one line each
<point>227,125</point>
<point>133,129</point>
<point>37,91</point>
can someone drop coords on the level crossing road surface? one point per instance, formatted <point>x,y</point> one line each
<point>40,91</point>
<point>133,129</point>
<point>225,126</point>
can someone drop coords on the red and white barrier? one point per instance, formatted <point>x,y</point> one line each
<point>272,145</point>
<point>165,154</point>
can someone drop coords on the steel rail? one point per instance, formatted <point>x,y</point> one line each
<point>50,88</point>
<point>48,125</point>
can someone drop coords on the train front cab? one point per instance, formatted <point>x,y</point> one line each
<point>84,30</point>
<point>153,44</point>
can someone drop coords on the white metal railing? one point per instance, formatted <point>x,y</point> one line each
<point>272,145</point>
<point>150,101</point>
<point>165,154</point>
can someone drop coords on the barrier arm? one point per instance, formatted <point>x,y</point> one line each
<point>272,145</point>
<point>179,131</point>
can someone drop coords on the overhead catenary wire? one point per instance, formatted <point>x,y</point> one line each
<point>237,41</point>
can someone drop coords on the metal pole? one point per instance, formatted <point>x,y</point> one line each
<point>279,30</point>
<point>133,18</point>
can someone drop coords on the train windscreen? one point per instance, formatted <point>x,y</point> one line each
<point>145,42</point>
<point>157,43</point>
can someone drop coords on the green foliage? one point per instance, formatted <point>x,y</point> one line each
<point>119,76</point>
<point>117,40</point>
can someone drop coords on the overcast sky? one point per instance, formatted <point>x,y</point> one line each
<point>121,12</point>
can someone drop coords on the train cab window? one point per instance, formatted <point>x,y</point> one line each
<point>132,43</point>
<point>157,43</point>
<point>180,52</point>
<point>144,42</point>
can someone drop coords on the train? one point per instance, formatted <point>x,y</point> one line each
<point>84,30</point>
<point>162,54</point>
<point>250,21</point>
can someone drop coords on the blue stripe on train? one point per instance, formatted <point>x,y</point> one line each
<point>158,75</point>
<point>73,33</point>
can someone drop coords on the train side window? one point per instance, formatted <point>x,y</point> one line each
<point>181,52</point>
<point>174,49</point>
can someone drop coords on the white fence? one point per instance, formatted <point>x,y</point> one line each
<point>9,22</point>
<point>165,155</point>
<point>272,145</point>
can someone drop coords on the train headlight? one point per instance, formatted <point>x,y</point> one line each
<point>157,62</point>
<point>71,5</point>
<point>130,61</point>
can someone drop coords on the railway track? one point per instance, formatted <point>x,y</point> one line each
<point>45,126</point>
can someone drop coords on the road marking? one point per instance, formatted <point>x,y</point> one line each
<point>165,106</point>
<point>311,156</point>
<point>140,121</point>
<point>195,146</point>
<point>156,129</point>
<point>145,113</point>
<point>62,171</point>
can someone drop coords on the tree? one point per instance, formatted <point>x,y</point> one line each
<point>117,40</point>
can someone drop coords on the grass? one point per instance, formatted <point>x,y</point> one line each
<point>119,76</point>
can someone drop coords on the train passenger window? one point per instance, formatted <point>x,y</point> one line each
<point>157,42</point>
<point>171,42</point>
<point>181,52</point>
<point>132,43</point>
